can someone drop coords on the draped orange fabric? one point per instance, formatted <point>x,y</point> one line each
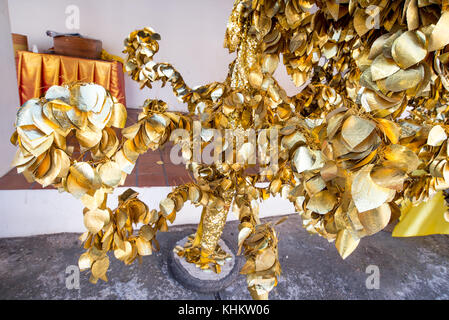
<point>36,72</point>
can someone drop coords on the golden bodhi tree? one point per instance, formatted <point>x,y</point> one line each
<point>367,132</point>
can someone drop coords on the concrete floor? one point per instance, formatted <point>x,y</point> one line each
<point>410,268</point>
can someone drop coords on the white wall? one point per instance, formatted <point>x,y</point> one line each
<point>36,212</point>
<point>192,35</point>
<point>9,97</point>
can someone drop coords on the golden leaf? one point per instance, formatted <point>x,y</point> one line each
<point>249,267</point>
<point>366,194</point>
<point>402,157</point>
<point>383,67</point>
<point>355,130</point>
<point>123,254</point>
<point>440,37</point>
<point>412,14</point>
<point>405,79</point>
<point>346,243</point>
<point>167,206</point>
<point>377,46</point>
<point>89,138</point>
<point>322,202</point>
<point>437,136</point>
<point>74,187</point>
<point>265,259</point>
<point>390,129</point>
<point>125,164</point>
<point>375,220</point>
<point>85,175</point>
<point>94,220</point>
<point>100,267</point>
<point>388,177</point>
<point>360,22</point>
<point>147,232</point>
<point>270,63</point>
<point>119,116</point>
<point>409,49</point>
<point>303,159</point>
<point>85,261</point>
<point>143,247</point>
<point>243,234</point>
<point>110,173</point>
<point>95,201</point>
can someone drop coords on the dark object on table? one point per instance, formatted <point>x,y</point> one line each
<point>74,44</point>
<point>55,34</point>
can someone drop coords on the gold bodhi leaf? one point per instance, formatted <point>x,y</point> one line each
<point>364,133</point>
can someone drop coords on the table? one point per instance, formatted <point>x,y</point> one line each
<point>36,72</point>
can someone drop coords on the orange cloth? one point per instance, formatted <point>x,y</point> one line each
<point>36,72</point>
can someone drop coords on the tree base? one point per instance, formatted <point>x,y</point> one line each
<point>204,281</point>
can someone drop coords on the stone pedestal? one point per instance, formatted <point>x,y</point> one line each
<point>204,281</point>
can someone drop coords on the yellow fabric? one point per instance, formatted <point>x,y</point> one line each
<point>110,57</point>
<point>36,72</point>
<point>424,219</point>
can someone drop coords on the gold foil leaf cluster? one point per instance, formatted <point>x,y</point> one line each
<point>46,128</point>
<point>262,265</point>
<point>114,231</point>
